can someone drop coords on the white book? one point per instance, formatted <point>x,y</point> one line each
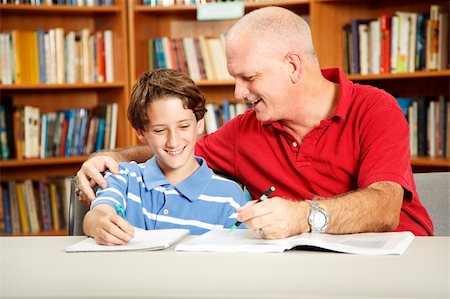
<point>245,240</point>
<point>394,43</point>
<point>5,53</point>
<point>403,42</point>
<point>60,61</point>
<point>219,62</point>
<point>70,57</point>
<point>374,46</point>
<point>412,121</point>
<point>191,58</point>
<point>211,123</point>
<point>165,41</point>
<point>31,126</point>
<point>412,42</point>
<point>143,240</point>
<point>52,73</point>
<point>85,54</point>
<point>363,31</point>
<point>109,56</point>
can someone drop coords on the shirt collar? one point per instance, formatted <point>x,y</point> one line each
<point>191,187</point>
<point>337,75</point>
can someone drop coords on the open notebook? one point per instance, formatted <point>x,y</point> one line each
<point>244,240</point>
<point>143,240</point>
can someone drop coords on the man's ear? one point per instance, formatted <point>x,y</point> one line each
<point>294,61</point>
<point>201,126</point>
<point>141,136</point>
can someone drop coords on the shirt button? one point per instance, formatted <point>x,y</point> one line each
<point>294,144</point>
<point>166,211</point>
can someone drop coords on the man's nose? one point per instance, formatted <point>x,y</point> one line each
<point>240,89</point>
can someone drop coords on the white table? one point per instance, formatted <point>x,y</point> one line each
<point>39,267</point>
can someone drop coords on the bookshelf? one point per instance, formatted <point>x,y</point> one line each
<point>53,97</point>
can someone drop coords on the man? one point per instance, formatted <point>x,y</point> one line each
<point>312,134</point>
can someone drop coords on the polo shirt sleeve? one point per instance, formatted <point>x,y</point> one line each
<point>384,141</point>
<point>116,191</point>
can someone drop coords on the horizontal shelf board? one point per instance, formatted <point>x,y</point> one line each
<point>59,8</point>
<point>420,74</point>
<point>214,82</point>
<point>61,86</point>
<point>428,161</point>
<point>43,162</point>
<point>59,232</point>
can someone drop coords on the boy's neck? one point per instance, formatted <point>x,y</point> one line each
<point>175,176</point>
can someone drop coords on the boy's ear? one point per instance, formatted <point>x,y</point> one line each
<point>141,136</point>
<point>201,126</point>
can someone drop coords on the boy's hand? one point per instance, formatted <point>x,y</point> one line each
<point>106,227</point>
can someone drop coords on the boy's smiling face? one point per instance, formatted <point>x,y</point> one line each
<point>171,133</point>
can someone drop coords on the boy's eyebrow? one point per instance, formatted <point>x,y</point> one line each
<point>180,121</point>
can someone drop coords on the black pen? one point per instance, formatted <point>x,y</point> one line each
<point>263,197</point>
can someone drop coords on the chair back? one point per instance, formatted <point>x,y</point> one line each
<point>433,190</point>
<point>77,210</point>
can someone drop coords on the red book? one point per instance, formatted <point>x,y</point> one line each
<point>385,43</point>
<point>101,68</point>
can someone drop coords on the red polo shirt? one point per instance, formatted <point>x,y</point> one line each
<point>365,141</point>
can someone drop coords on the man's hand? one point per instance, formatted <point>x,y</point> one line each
<point>90,175</point>
<point>106,227</point>
<point>278,217</point>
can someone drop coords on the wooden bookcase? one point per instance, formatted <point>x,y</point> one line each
<point>52,97</point>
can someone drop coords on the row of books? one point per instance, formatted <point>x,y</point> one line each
<point>61,2</point>
<point>218,114</point>
<point>34,206</point>
<point>397,42</point>
<point>27,133</point>
<point>202,58</point>
<point>192,2</point>
<point>429,125</point>
<point>56,57</point>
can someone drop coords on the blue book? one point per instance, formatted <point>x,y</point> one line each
<point>6,211</point>
<point>421,36</point>
<point>225,111</point>
<point>100,134</point>
<point>159,51</point>
<point>70,115</point>
<point>41,55</point>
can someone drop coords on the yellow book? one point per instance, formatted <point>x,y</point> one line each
<point>54,206</point>
<point>22,209</point>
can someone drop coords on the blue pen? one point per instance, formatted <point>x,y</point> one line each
<point>120,211</point>
<point>263,197</point>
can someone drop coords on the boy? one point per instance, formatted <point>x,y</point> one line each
<point>173,189</point>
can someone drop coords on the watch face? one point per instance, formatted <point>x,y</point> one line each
<point>319,220</point>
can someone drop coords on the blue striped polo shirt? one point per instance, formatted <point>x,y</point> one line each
<point>201,202</point>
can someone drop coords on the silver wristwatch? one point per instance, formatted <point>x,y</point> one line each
<point>318,218</point>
